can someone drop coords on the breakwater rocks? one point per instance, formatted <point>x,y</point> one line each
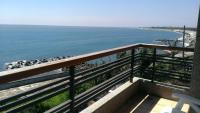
<point>24,63</point>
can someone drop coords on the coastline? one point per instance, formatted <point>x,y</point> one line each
<point>189,42</point>
<point>48,42</point>
<point>189,39</point>
<point>190,35</point>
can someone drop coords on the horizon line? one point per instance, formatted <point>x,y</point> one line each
<point>95,26</point>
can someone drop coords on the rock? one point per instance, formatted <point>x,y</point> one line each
<point>24,63</point>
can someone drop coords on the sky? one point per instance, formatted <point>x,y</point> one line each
<point>115,13</point>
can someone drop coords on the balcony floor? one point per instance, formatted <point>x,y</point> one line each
<point>142,103</point>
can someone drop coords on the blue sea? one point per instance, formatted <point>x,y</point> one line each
<point>28,42</point>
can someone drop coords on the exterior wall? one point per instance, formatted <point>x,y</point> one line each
<point>162,90</point>
<point>195,89</point>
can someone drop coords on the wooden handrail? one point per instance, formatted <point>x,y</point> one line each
<point>16,74</point>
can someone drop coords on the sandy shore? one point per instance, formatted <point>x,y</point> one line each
<point>190,37</point>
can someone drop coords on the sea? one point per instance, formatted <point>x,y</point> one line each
<point>29,42</point>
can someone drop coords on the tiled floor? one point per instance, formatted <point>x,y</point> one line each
<point>149,104</point>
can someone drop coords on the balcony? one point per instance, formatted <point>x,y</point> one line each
<point>137,78</point>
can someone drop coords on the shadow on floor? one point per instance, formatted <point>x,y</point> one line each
<point>140,103</point>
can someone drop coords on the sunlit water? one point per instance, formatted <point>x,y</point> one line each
<point>19,42</point>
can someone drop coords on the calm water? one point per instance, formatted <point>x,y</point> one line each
<point>36,42</point>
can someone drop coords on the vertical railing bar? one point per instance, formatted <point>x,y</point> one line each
<point>184,70</point>
<point>183,41</point>
<point>72,88</point>
<point>154,63</point>
<point>132,64</point>
<point>172,57</point>
<point>141,52</point>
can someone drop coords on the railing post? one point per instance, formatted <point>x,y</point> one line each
<point>183,41</point>
<point>141,52</point>
<point>132,64</point>
<point>184,64</point>
<point>154,63</point>
<point>71,89</point>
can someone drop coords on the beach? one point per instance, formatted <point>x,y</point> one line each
<point>190,39</point>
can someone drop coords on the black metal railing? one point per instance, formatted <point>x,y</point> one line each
<point>167,68</point>
<point>80,87</point>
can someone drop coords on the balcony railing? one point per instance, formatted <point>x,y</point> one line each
<point>80,86</point>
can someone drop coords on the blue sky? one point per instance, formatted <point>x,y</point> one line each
<point>117,13</point>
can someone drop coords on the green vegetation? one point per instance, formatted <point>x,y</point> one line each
<point>56,100</point>
<point>47,104</point>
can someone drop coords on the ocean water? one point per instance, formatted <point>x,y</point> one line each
<point>24,42</point>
